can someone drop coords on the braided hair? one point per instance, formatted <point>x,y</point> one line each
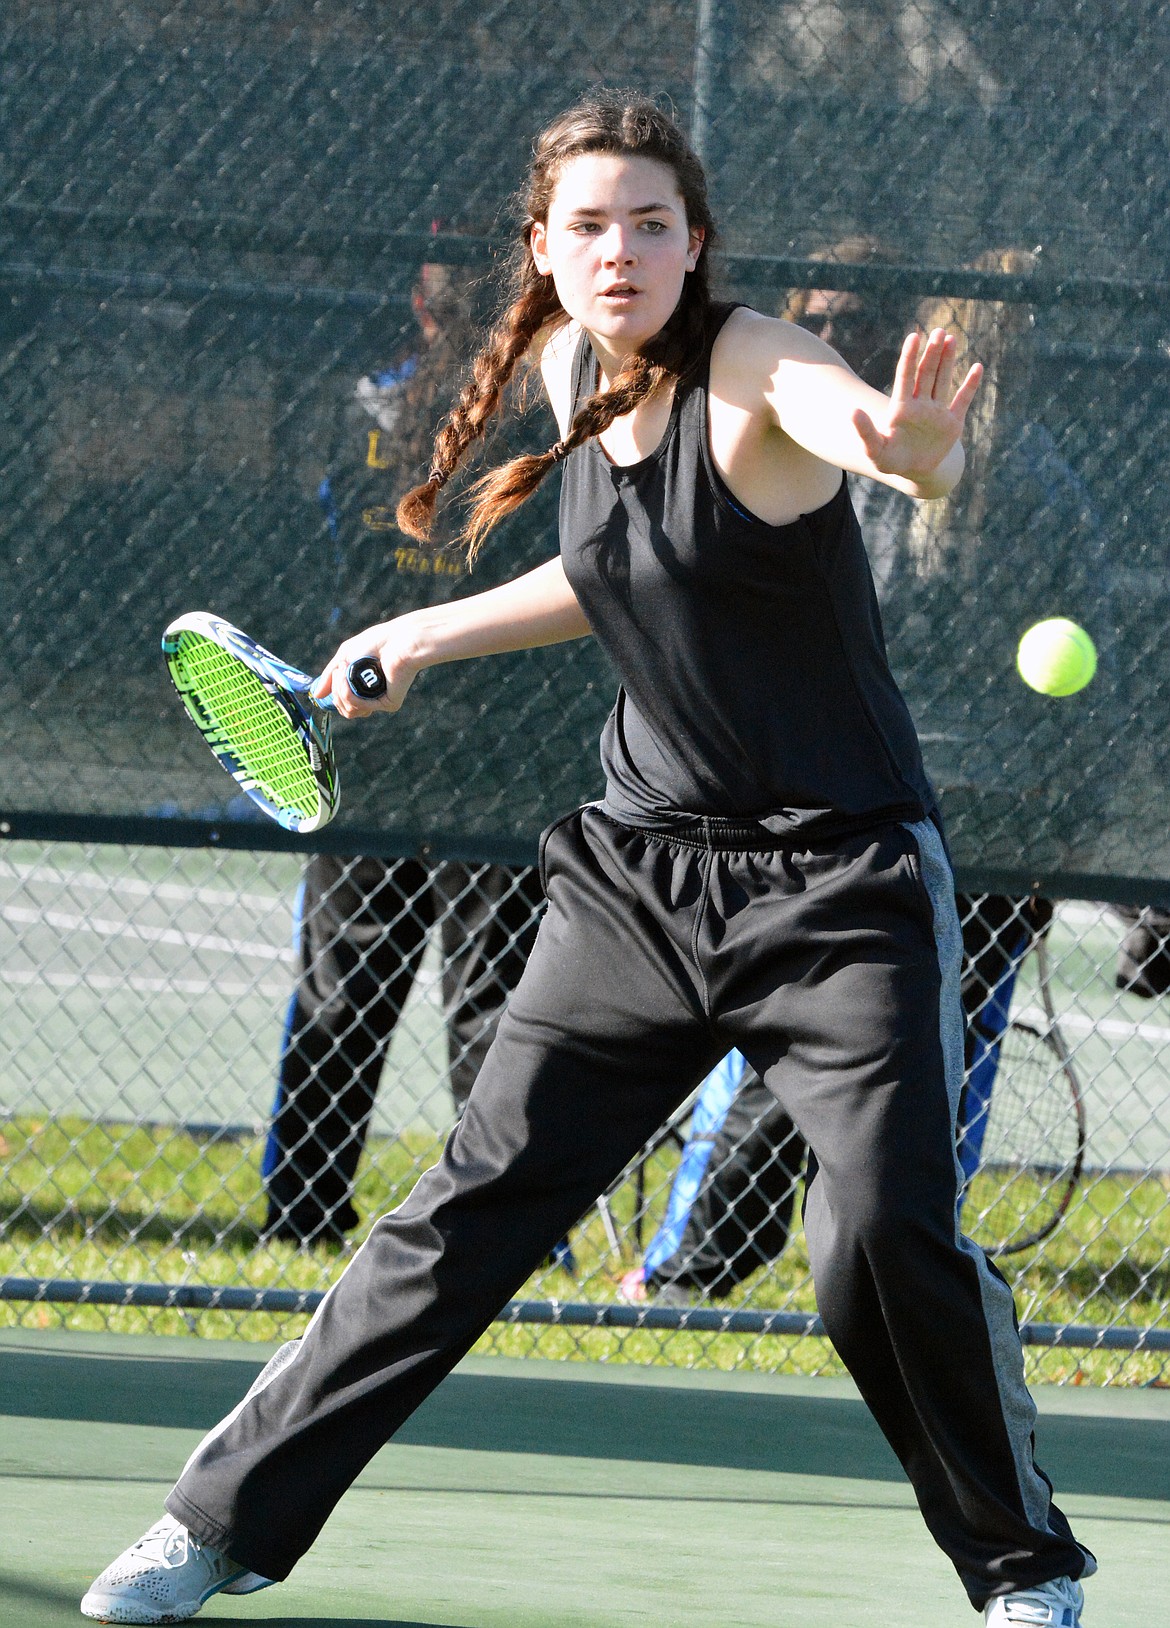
<point>620,123</point>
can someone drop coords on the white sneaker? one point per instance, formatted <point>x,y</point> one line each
<point>1048,1605</point>
<point>165,1577</point>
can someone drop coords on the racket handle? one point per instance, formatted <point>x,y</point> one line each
<point>366,678</point>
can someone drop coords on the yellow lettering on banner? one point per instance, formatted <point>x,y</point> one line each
<point>418,562</point>
<point>380,518</point>
<point>374,458</point>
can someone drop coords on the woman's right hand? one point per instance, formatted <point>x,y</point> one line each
<point>394,644</point>
<point>536,609</point>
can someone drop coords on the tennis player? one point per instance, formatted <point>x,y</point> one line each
<point>766,871</point>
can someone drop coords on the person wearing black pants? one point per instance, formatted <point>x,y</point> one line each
<point>766,871</point>
<point>362,927</point>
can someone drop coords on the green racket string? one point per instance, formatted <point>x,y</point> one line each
<point>250,724</point>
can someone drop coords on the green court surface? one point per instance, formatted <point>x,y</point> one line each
<point>536,1494</point>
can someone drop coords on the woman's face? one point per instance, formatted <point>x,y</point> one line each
<point>617,247</point>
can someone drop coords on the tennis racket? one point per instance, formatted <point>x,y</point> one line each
<point>1034,1144</point>
<point>256,714</point>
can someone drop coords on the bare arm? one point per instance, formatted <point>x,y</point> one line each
<point>909,439</point>
<point>536,609</point>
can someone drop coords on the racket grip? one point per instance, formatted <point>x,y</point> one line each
<point>366,678</point>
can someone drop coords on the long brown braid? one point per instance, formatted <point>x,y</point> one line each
<point>612,122</point>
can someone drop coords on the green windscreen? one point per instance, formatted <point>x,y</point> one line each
<point>245,251</point>
<point>238,715</point>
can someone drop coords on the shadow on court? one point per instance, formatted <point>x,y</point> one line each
<point>587,1418</point>
<point>23,1601</point>
<point>20,1599</point>
<point>529,1495</point>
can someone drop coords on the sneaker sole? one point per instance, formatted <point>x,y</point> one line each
<point>142,1616</point>
<point>121,1611</point>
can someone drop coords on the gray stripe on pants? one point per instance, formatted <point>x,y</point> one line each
<point>1019,1410</point>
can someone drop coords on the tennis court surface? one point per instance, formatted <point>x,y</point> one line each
<point>530,1494</point>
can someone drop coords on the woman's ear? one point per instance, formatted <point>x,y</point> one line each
<point>697,235</point>
<point>538,243</point>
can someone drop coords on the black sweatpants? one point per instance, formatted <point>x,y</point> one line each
<point>834,968</point>
<point>741,1215</point>
<point>362,929</point>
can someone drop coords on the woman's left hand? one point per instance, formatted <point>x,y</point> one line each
<point>926,416</point>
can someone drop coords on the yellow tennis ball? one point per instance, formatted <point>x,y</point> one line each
<point>1057,657</point>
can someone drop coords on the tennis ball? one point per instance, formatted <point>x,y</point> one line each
<point>1057,657</point>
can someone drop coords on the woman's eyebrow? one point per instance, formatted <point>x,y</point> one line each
<point>638,209</point>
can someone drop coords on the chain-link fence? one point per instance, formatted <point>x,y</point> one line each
<point>242,253</point>
<point>220,233</point>
<point>181,1134</point>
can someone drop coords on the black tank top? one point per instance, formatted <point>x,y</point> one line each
<point>754,679</point>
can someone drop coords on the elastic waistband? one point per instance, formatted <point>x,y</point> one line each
<point>718,833</point>
<point>713,833</point>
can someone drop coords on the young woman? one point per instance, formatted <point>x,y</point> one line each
<point>765,872</point>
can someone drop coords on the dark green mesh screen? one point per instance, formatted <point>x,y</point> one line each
<point>212,222</point>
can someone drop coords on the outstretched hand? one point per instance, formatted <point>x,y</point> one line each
<point>925,418</point>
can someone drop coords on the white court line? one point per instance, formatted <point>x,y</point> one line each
<point>136,887</point>
<point>103,983</point>
<point>1155,1033</point>
<point>63,922</point>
